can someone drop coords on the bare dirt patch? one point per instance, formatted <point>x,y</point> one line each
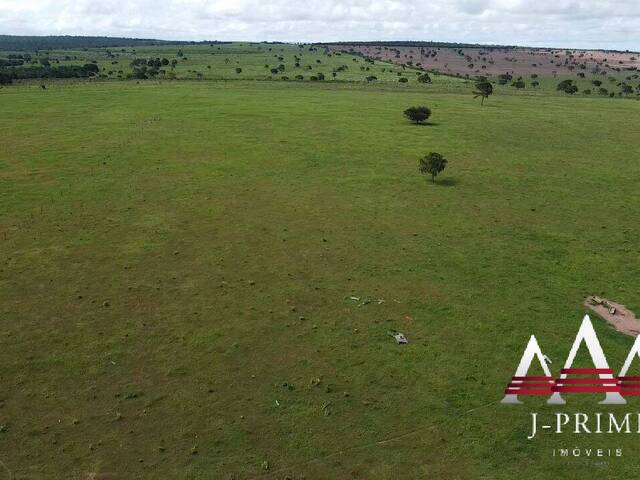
<point>616,315</point>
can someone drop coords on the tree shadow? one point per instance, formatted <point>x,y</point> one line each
<point>448,182</point>
<point>426,124</point>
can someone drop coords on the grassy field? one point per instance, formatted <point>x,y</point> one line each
<point>178,260</point>
<point>219,62</point>
<point>255,61</point>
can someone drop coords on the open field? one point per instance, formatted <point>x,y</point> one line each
<point>178,257</point>
<point>392,66</point>
<point>222,61</point>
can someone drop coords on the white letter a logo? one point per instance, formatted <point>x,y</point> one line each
<point>612,391</point>
<point>521,383</point>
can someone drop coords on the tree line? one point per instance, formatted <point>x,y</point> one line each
<point>10,72</point>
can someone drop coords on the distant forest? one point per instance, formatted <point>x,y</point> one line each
<point>60,42</point>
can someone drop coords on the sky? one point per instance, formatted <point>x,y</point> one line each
<point>552,23</point>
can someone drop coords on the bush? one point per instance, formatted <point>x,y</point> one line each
<point>417,114</point>
<point>504,78</point>
<point>90,68</point>
<point>5,78</point>
<point>567,86</point>
<point>403,80</point>
<point>424,78</point>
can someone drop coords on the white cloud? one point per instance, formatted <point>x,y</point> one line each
<point>570,23</point>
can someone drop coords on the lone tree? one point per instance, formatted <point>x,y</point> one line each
<point>432,164</point>
<point>417,114</point>
<point>483,90</point>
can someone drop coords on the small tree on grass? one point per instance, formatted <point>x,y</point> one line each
<point>424,78</point>
<point>483,90</point>
<point>432,164</point>
<point>567,86</point>
<point>417,114</point>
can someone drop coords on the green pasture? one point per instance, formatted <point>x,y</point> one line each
<point>199,279</point>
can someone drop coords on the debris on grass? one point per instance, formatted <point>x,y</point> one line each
<point>265,465</point>
<point>615,314</point>
<point>325,409</point>
<point>399,337</point>
<point>365,300</point>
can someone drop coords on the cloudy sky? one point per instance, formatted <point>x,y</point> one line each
<point>561,23</point>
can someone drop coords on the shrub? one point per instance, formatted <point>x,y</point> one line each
<point>567,86</point>
<point>504,78</point>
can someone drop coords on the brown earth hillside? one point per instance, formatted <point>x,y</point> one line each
<point>491,61</point>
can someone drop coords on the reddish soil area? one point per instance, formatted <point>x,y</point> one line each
<point>492,61</point>
<point>616,314</point>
